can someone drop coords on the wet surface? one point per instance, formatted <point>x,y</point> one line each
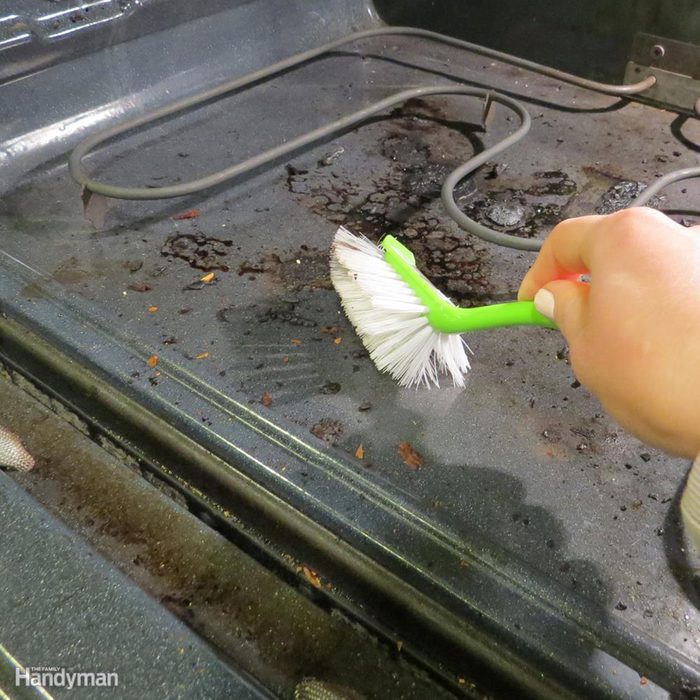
<point>523,460</point>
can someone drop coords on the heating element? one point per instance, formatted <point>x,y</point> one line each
<point>338,126</point>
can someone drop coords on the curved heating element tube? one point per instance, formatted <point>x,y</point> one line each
<point>271,154</point>
<point>663,182</point>
<point>80,175</point>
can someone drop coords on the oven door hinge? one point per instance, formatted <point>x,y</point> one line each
<point>676,67</point>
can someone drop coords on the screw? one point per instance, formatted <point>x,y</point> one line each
<point>658,51</point>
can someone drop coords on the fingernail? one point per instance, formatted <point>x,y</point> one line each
<point>544,303</point>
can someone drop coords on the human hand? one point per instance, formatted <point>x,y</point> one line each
<point>634,331</point>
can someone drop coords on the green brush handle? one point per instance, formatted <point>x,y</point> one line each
<point>443,315</point>
<point>454,319</point>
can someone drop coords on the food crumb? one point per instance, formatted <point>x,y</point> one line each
<point>266,399</point>
<point>209,277</point>
<point>360,452</point>
<point>311,576</point>
<point>296,341</point>
<point>201,356</point>
<point>410,456</point>
<point>643,680</point>
<point>338,341</point>
<point>152,309</point>
<point>189,214</point>
<point>152,360</point>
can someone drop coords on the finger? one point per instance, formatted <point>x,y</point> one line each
<point>566,303</point>
<point>567,251</point>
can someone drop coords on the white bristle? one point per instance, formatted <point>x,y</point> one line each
<point>12,452</point>
<point>389,317</point>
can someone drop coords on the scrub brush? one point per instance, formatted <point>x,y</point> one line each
<point>410,328</point>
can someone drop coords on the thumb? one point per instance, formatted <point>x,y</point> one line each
<point>565,303</point>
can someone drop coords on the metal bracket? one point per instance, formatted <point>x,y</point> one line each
<point>676,67</point>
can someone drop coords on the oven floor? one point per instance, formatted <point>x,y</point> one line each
<point>523,457</point>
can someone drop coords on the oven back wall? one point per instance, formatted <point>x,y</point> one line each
<point>546,31</point>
